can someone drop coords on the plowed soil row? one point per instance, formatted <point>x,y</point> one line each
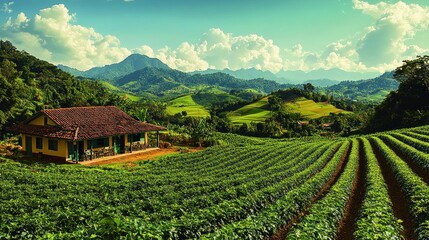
<point>348,223</point>
<point>397,196</point>
<point>282,232</point>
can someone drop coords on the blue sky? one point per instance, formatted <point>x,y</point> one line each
<point>353,35</point>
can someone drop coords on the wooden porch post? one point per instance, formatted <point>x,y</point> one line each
<point>91,149</point>
<point>157,139</point>
<point>77,151</point>
<point>131,142</point>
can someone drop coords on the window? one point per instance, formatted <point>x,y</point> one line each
<point>46,121</point>
<point>39,143</point>
<point>53,145</point>
<point>99,142</point>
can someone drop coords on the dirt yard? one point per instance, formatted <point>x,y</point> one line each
<point>149,155</point>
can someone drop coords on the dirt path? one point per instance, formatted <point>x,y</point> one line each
<point>348,223</point>
<point>281,233</point>
<point>397,196</point>
<point>149,155</point>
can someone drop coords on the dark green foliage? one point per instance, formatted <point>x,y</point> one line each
<point>409,106</point>
<point>28,85</point>
<point>163,82</point>
<point>372,90</point>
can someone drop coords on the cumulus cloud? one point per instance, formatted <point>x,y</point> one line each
<point>385,42</point>
<point>52,36</point>
<point>220,50</point>
<point>7,7</point>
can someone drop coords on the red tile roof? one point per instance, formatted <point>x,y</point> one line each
<point>81,123</point>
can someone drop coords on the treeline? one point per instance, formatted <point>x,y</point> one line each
<point>28,85</point>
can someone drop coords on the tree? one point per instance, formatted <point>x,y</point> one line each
<point>199,130</point>
<point>409,105</point>
<point>275,103</point>
<point>308,87</point>
<point>141,114</point>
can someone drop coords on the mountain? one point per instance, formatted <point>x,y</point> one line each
<point>129,65</point>
<point>372,90</point>
<point>322,82</point>
<point>332,74</point>
<point>320,77</point>
<point>164,82</point>
<point>247,74</point>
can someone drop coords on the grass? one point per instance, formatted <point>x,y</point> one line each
<point>186,103</point>
<point>254,112</point>
<point>259,111</point>
<point>310,109</point>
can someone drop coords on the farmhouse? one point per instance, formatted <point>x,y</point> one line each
<point>83,133</point>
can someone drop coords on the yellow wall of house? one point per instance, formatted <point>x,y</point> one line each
<point>62,146</point>
<point>41,121</point>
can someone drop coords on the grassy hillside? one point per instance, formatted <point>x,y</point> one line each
<point>259,110</point>
<point>254,112</point>
<point>310,109</point>
<point>186,103</point>
<point>128,95</point>
<point>212,95</point>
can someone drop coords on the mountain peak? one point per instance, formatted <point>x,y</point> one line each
<point>132,63</point>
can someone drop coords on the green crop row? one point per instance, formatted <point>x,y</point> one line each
<point>376,219</point>
<point>324,217</point>
<point>420,158</point>
<point>270,219</point>
<point>416,143</point>
<point>416,135</point>
<point>415,189</point>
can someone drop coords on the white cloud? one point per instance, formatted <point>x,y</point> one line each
<point>7,7</point>
<point>52,36</point>
<point>220,50</point>
<point>385,43</point>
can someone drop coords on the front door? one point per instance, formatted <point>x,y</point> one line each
<point>122,143</point>
<point>29,146</point>
<point>71,150</point>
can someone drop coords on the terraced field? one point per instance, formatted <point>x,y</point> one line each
<point>369,187</point>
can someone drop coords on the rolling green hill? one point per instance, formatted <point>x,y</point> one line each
<point>254,112</point>
<point>187,103</point>
<point>310,109</point>
<point>259,111</point>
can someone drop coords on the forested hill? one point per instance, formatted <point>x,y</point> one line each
<point>28,85</point>
<point>373,90</point>
<point>160,81</point>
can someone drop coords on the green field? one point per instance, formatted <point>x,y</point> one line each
<point>310,109</point>
<point>254,112</point>
<point>248,188</point>
<point>186,103</point>
<point>259,110</point>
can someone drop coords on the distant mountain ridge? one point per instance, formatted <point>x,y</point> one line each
<point>132,63</point>
<point>328,77</point>
<point>374,89</point>
<point>140,74</point>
